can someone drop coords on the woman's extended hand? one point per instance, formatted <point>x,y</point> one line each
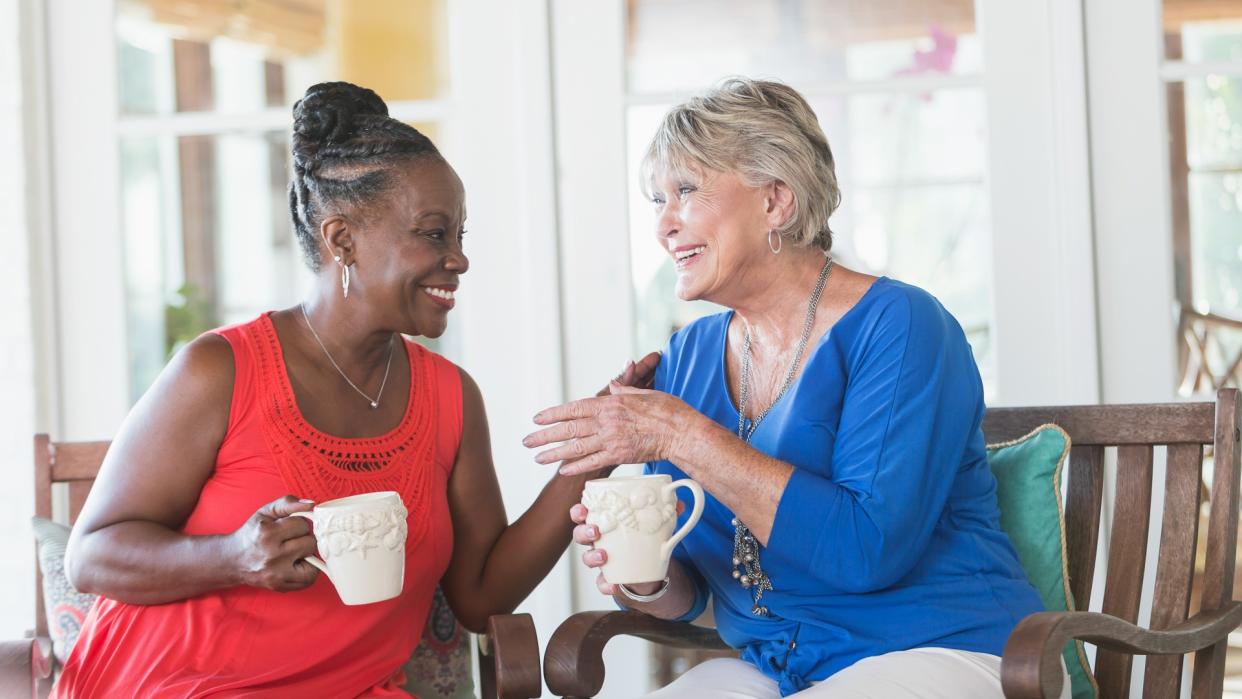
<point>270,548</point>
<point>628,426</point>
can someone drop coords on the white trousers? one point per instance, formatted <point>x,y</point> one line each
<point>921,673</point>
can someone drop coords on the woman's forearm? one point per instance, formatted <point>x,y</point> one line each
<point>147,563</point>
<point>673,604</point>
<point>749,482</point>
<point>529,547</point>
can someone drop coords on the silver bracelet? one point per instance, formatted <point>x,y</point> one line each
<point>645,598</point>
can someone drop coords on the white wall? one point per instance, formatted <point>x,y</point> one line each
<point>499,138</point>
<point>92,371</point>
<point>1130,177</point>
<point>1040,189</point>
<point>16,355</point>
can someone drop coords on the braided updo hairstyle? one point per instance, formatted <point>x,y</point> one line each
<point>345,147</point>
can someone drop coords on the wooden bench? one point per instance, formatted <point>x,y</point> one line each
<point>1030,668</point>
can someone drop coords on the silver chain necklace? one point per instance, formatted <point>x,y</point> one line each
<point>746,568</point>
<point>373,401</point>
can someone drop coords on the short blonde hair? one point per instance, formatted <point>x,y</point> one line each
<point>764,131</point>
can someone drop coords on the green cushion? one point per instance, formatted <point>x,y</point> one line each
<point>1028,489</point>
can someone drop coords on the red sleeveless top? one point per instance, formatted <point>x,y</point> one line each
<point>250,642</point>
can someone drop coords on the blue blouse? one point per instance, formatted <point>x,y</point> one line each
<point>888,535</point>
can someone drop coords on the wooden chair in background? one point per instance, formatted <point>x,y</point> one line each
<point>508,654</point>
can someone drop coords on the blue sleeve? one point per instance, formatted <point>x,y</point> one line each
<point>913,401</point>
<point>701,593</point>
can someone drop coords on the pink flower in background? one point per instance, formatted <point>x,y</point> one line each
<point>939,59</point>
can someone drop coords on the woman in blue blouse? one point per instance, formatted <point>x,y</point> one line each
<point>851,543</point>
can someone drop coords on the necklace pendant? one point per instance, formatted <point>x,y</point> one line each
<point>374,405</point>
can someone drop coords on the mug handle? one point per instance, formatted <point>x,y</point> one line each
<point>667,549</point>
<point>313,560</point>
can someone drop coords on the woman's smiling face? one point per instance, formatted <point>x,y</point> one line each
<point>409,250</point>
<point>713,225</point>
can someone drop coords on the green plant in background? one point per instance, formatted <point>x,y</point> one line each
<point>189,316</point>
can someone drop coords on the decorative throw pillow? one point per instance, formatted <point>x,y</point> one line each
<point>440,667</point>
<point>1028,489</point>
<point>66,608</point>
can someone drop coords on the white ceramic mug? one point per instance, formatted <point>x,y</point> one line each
<point>362,541</point>
<point>635,516</point>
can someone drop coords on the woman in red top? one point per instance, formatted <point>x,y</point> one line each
<point>188,535</point>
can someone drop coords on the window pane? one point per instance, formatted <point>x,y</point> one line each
<point>179,55</point>
<point>151,240</point>
<point>207,239</point>
<point>1205,160</point>
<point>1206,170</point>
<point>897,138</point>
<point>1199,30</point>
<point>935,237</point>
<point>1214,122</point>
<point>143,62</point>
<point>1216,235</point>
<point>679,45</point>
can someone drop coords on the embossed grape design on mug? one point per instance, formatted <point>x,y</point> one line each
<point>635,516</point>
<point>362,541</point>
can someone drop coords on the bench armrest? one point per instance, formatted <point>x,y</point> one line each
<point>1031,666</point>
<point>509,658</point>
<point>574,663</point>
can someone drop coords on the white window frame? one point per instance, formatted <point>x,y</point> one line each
<point>1133,218</point>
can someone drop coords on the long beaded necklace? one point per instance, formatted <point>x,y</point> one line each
<point>746,568</point>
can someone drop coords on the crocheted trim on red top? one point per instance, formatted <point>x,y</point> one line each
<point>322,467</point>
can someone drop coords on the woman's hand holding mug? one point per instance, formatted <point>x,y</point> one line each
<point>271,546</point>
<point>586,535</point>
<point>635,517</point>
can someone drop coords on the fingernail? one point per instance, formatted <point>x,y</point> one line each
<point>307,502</point>
<point>526,441</point>
<point>563,471</point>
